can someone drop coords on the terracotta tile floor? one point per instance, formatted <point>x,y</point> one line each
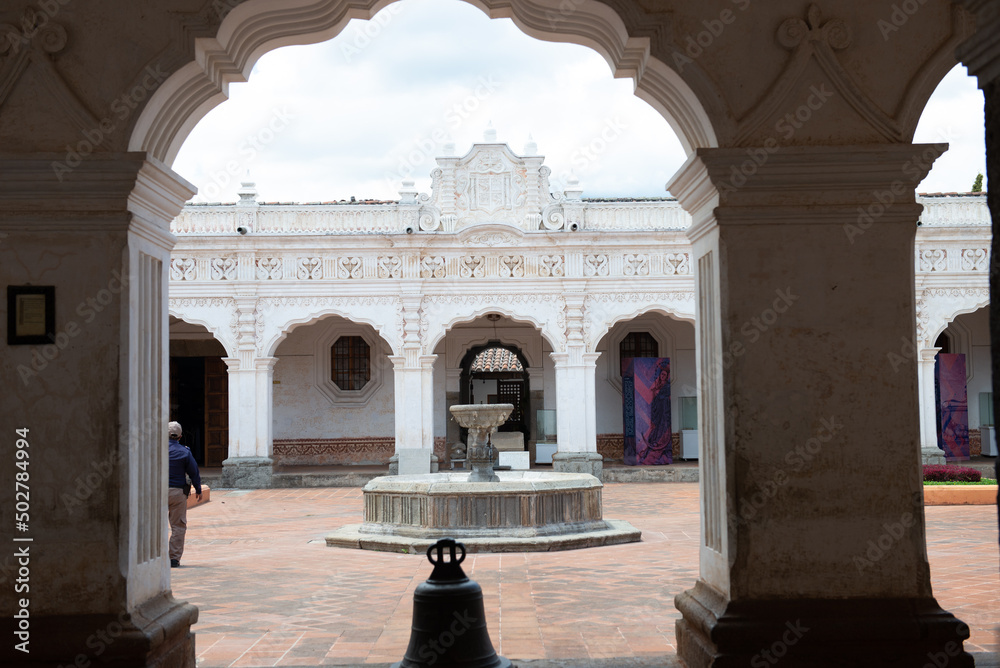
<point>271,593</point>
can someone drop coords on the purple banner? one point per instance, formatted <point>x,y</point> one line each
<point>646,411</point>
<point>953,407</point>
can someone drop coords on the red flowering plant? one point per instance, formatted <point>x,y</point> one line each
<point>938,473</point>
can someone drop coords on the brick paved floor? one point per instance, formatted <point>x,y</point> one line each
<point>271,593</point>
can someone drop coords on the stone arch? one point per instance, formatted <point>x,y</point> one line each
<point>189,315</point>
<point>433,337</point>
<point>255,27</point>
<point>381,317</point>
<point>602,317</point>
<point>940,313</point>
<point>925,82</point>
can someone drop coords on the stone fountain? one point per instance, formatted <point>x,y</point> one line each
<point>481,420</point>
<point>487,510</point>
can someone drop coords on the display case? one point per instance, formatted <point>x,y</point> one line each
<point>545,427</point>
<point>689,427</point>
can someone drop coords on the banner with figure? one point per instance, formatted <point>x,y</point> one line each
<point>646,411</point>
<point>953,406</point>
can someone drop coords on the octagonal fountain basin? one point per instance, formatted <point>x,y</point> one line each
<point>524,511</point>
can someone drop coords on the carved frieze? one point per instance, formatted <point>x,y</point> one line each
<point>309,268</point>
<point>183,269</point>
<point>223,268</point>
<point>935,259</point>
<point>975,259</point>
<point>389,267</point>
<point>269,269</point>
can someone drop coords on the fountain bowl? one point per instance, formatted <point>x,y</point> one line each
<point>524,511</point>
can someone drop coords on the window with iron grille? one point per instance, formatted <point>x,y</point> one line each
<point>350,364</point>
<point>638,344</point>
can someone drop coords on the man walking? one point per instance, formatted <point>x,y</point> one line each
<point>181,463</point>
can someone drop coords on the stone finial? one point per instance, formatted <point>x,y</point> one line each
<point>573,190</point>
<point>490,135</point>
<point>408,193</point>
<point>531,148</point>
<point>247,193</point>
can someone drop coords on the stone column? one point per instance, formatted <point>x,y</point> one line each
<point>809,548</point>
<point>576,406</point>
<point>251,401</point>
<point>930,453</point>
<point>414,406</point>
<point>90,410</point>
<point>249,465</point>
<point>413,374</point>
<point>981,55</point>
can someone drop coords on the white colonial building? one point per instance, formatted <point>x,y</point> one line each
<point>340,333</point>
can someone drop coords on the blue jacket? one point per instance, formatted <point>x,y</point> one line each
<point>181,462</point>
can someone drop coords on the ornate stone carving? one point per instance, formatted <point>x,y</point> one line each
<point>636,265</point>
<point>814,38</point>
<point>183,269</point>
<point>551,265</point>
<point>309,268</point>
<point>472,266</point>
<point>350,267</point>
<point>957,292</point>
<point>433,267</point>
<point>492,239</point>
<point>36,41</point>
<point>975,259</point>
<point>512,266</point>
<point>677,264</point>
<point>223,268</point>
<point>934,260</point>
<point>187,302</point>
<point>269,269</point>
<point>595,265</point>
<point>389,267</point>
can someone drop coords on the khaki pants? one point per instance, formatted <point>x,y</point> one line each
<point>177,512</point>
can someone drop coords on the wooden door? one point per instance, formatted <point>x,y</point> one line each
<point>216,411</point>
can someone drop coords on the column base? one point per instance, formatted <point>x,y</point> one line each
<point>932,456</point>
<point>156,635</point>
<point>247,472</point>
<point>862,633</point>
<point>579,462</point>
<point>394,464</point>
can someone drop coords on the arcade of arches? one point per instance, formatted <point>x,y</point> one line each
<point>827,211</point>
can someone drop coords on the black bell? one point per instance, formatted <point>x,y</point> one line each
<point>449,620</point>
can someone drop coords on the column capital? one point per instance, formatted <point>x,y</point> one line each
<point>102,192</point>
<point>928,354</point>
<point>410,362</point>
<point>265,363</point>
<point>801,184</point>
<point>981,53</point>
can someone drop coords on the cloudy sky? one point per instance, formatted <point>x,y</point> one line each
<point>356,115</point>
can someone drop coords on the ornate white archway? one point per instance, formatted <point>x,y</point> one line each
<point>255,27</point>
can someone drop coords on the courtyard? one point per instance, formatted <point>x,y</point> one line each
<point>270,593</point>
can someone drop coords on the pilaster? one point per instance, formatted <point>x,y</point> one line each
<point>804,274</point>
<point>94,412</point>
<point>981,55</point>
<point>930,453</point>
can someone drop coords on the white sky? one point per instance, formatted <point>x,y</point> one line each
<point>356,115</point>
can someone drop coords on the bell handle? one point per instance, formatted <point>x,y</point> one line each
<point>440,546</point>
